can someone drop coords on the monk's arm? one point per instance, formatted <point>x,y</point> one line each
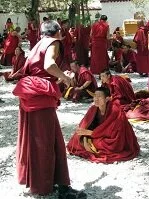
<point>86,84</point>
<point>50,63</point>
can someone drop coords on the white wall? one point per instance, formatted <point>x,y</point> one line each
<point>117,12</point>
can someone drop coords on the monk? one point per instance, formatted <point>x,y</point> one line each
<point>129,61</point>
<point>104,134</point>
<point>82,84</point>
<point>82,44</point>
<point>11,43</point>
<point>67,44</point>
<point>41,154</point>
<point>142,41</point>
<point>18,62</point>
<point>121,90</point>
<point>32,33</point>
<point>99,45</point>
<point>115,61</point>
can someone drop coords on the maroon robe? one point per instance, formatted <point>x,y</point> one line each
<point>141,39</point>
<point>112,137</point>
<point>11,43</point>
<point>82,44</point>
<point>129,57</point>
<point>41,154</point>
<point>32,36</point>
<point>121,90</point>
<point>67,44</point>
<point>81,77</point>
<point>17,64</point>
<point>99,46</point>
<point>138,109</point>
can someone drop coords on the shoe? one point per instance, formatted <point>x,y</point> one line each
<point>1,101</point>
<point>68,193</point>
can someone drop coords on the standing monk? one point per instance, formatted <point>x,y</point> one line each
<point>142,40</point>
<point>32,33</point>
<point>99,42</point>
<point>41,155</point>
<point>67,44</point>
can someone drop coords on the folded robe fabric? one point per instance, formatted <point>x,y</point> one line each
<point>37,93</point>
<point>113,138</point>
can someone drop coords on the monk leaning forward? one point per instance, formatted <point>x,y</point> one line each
<point>41,154</point>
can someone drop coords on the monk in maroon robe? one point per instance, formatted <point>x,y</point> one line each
<point>115,61</point>
<point>18,62</point>
<point>104,134</point>
<point>82,34</point>
<point>11,43</point>
<point>67,44</point>
<point>99,45</point>
<point>121,90</point>
<point>82,84</point>
<point>32,33</point>
<point>41,154</point>
<point>142,41</point>
<point>128,59</point>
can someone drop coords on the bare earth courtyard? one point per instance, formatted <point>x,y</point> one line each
<point>124,180</point>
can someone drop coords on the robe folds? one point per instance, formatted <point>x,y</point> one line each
<point>32,36</point>
<point>41,154</point>
<point>113,138</point>
<point>129,58</point>
<point>138,109</point>
<point>121,90</point>
<point>141,40</point>
<point>81,77</point>
<point>99,47</point>
<point>11,43</point>
<point>17,64</point>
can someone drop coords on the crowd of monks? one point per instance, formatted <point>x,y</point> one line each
<point>104,134</point>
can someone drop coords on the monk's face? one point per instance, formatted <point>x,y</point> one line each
<point>99,99</point>
<point>104,78</point>
<point>74,67</point>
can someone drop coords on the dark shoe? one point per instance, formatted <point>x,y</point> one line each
<point>68,193</point>
<point>1,101</point>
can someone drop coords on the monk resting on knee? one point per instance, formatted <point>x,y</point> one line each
<point>104,134</point>
<point>121,90</point>
<point>81,85</point>
<point>17,63</point>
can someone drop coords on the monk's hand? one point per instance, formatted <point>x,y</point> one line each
<point>78,89</point>
<point>81,131</point>
<point>66,80</point>
<point>87,145</point>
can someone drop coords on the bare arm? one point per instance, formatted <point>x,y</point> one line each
<point>50,65</point>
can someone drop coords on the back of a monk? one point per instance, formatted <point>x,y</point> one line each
<point>99,45</point>
<point>104,135</point>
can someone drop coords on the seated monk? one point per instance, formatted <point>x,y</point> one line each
<point>128,59</point>
<point>121,90</point>
<point>104,134</point>
<point>115,61</point>
<point>82,84</point>
<point>17,63</point>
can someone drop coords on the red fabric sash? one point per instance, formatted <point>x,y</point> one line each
<point>37,93</point>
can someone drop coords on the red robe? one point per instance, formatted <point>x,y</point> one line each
<point>32,36</point>
<point>112,137</point>
<point>99,42</point>
<point>121,90</point>
<point>141,39</point>
<point>82,44</point>
<point>130,57</point>
<point>41,154</point>
<point>67,44</point>
<point>11,43</point>
<point>138,109</point>
<point>17,64</point>
<point>81,77</point>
